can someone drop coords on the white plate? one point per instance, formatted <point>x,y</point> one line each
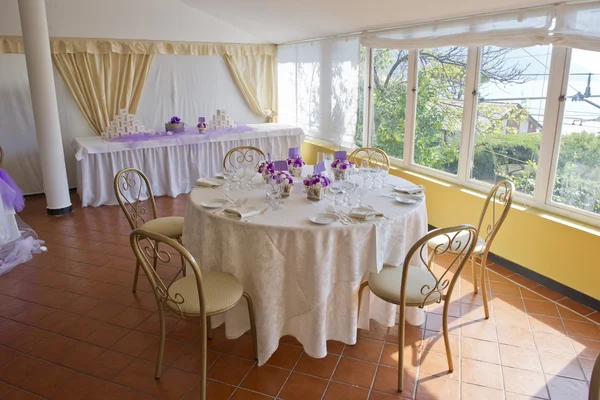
<point>218,176</point>
<point>324,218</point>
<point>408,198</point>
<point>214,203</point>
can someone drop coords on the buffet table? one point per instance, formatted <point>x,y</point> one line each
<point>303,277</point>
<point>172,164</point>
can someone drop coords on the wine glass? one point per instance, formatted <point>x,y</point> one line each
<point>273,190</point>
<point>336,188</point>
<point>227,175</point>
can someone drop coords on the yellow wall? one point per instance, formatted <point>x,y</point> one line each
<point>553,246</point>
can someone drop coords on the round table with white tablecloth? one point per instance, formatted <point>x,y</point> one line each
<point>302,277</point>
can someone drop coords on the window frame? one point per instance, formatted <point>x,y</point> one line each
<point>549,145</point>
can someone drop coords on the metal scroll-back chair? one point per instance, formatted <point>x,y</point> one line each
<point>239,156</point>
<point>131,186</point>
<point>375,157</point>
<point>417,286</point>
<point>198,295</point>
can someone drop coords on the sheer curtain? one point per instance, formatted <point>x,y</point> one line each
<point>318,88</point>
<point>578,25</point>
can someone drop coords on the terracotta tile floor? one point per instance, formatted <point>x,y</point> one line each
<point>70,328</point>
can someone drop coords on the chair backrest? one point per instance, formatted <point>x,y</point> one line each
<point>238,156</point>
<point>594,393</point>
<point>495,209</point>
<point>146,245</point>
<point>133,190</point>
<point>457,242</point>
<point>374,156</point>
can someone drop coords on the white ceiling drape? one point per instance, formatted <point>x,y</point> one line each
<point>520,28</point>
<point>578,25</point>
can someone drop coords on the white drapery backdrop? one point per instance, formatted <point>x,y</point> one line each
<point>188,86</point>
<point>318,86</point>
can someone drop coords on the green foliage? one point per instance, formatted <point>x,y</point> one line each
<point>500,150</point>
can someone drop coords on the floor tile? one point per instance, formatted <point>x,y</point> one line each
<point>108,365</point>
<point>364,349</point>
<point>230,370</point>
<point>301,387</point>
<point>173,384</point>
<point>529,383</point>
<point>476,392</point>
<point>481,350</point>
<point>266,379</point>
<point>340,391</point>
<point>82,387</point>
<point>520,357</point>
<point>80,356</point>
<point>321,367</point>
<point>285,356</point>
<point>386,381</point>
<point>564,366</point>
<point>46,380</point>
<point>564,388</point>
<point>354,372</point>
<point>481,373</point>
<point>436,387</point>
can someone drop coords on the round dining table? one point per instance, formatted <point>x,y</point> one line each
<point>303,277</point>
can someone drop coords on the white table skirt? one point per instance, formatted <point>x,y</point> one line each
<point>172,165</point>
<point>303,278</point>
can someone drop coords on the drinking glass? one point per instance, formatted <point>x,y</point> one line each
<point>235,178</point>
<point>336,188</point>
<point>273,190</point>
<point>227,175</point>
<point>384,171</point>
<point>249,173</point>
<point>328,158</point>
<point>362,188</point>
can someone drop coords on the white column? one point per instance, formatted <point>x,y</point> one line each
<point>45,109</point>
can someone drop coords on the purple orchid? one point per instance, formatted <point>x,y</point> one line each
<point>314,179</point>
<point>175,120</point>
<point>283,177</point>
<point>296,162</point>
<point>266,168</point>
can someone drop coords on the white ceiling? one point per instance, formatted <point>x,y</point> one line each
<point>250,21</point>
<point>280,21</point>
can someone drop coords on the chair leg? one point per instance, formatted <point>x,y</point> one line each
<point>208,328</point>
<point>252,324</point>
<point>483,286</point>
<point>446,338</point>
<point>401,322</point>
<point>203,355</point>
<point>136,275</point>
<point>360,293</point>
<point>161,344</point>
<point>473,267</point>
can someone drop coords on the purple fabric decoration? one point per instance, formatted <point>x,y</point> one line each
<point>269,157</point>
<point>144,137</point>
<point>340,155</point>
<point>12,196</point>
<point>293,152</point>
<point>320,167</point>
<point>280,165</point>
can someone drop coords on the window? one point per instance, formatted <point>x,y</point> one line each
<point>440,97</point>
<point>390,72</point>
<point>577,178</point>
<point>510,115</point>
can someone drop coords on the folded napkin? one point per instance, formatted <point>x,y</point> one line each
<point>410,189</point>
<point>364,214</point>
<point>209,182</point>
<point>242,212</point>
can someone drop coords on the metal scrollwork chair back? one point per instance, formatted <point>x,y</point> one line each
<point>131,186</point>
<point>243,155</point>
<point>375,157</point>
<point>195,296</point>
<point>419,282</point>
<point>496,207</point>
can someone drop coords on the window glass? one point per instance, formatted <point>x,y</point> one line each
<point>510,115</point>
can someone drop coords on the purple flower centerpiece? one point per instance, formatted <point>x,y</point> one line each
<point>175,125</point>
<point>266,169</point>
<point>285,180</point>
<point>295,165</point>
<point>340,167</point>
<point>315,185</point>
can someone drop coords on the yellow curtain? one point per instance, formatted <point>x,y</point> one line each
<point>254,75</point>
<point>102,84</point>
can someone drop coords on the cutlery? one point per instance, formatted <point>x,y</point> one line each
<point>332,210</point>
<point>264,210</point>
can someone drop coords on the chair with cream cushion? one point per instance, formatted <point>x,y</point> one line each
<point>594,393</point>
<point>131,188</point>
<point>419,282</point>
<point>495,209</point>
<point>199,295</point>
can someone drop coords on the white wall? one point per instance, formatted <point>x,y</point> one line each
<point>187,86</point>
<point>128,19</point>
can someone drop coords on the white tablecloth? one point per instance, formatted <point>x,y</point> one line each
<point>303,278</point>
<point>172,164</point>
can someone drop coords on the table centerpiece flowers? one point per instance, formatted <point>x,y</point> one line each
<point>339,168</point>
<point>315,185</point>
<point>286,181</point>
<point>175,125</point>
<point>295,165</point>
<point>266,169</point>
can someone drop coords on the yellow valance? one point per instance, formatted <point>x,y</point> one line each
<point>14,45</point>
